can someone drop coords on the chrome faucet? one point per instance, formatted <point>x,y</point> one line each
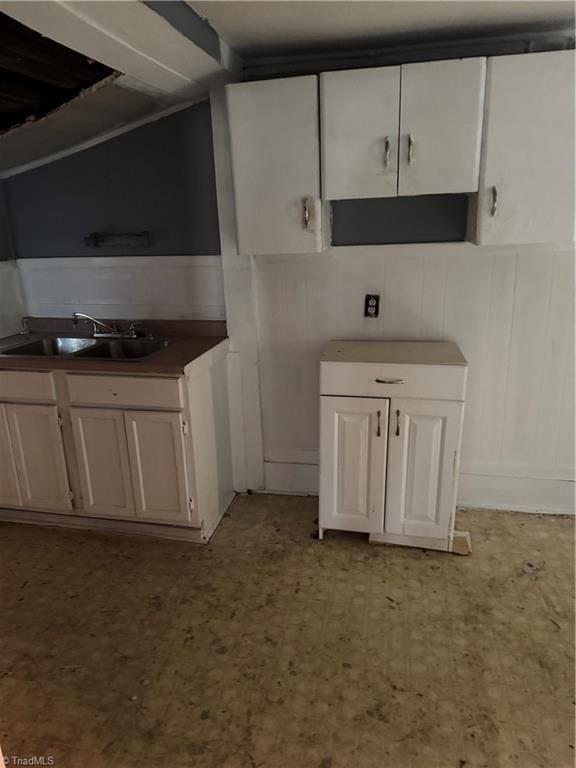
<point>107,330</point>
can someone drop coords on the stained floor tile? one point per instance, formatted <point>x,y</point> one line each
<point>267,649</point>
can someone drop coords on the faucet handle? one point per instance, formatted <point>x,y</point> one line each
<point>131,331</point>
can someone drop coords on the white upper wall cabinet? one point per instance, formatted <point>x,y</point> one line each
<point>359,113</point>
<point>527,180</point>
<point>276,165</point>
<point>441,126</point>
<point>410,130</point>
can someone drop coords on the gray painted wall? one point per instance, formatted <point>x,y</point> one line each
<point>5,239</point>
<point>159,177</point>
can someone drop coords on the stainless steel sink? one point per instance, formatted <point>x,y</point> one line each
<point>51,346</point>
<point>123,349</point>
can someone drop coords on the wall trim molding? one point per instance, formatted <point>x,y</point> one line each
<point>500,492</point>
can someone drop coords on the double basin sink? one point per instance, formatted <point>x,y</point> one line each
<point>96,349</point>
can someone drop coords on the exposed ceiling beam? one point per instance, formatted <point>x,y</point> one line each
<point>126,36</point>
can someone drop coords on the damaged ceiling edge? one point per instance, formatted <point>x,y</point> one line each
<point>36,119</point>
<point>111,131</point>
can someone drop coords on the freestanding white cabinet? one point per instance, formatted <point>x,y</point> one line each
<point>422,464</point>
<point>527,179</point>
<point>390,431</point>
<point>409,130</point>
<point>355,431</point>
<point>276,165</point>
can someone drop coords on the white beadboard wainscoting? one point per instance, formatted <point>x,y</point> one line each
<point>162,287</point>
<point>511,310</point>
<point>11,299</point>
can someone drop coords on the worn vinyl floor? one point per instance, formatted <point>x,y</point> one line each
<point>267,649</point>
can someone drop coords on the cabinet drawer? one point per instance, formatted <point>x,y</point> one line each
<point>125,391</point>
<point>434,382</point>
<point>26,385</point>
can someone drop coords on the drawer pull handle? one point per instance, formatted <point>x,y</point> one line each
<point>397,423</point>
<point>379,430</point>
<point>390,381</point>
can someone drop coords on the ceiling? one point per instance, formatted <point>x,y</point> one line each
<point>37,75</point>
<point>75,73</point>
<point>290,26</point>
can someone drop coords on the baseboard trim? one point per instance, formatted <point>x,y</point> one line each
<point>521,494</point>
<point>298,479</point>
<point>101,525</point>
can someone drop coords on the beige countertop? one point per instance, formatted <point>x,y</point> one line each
<point>169,361</point>
<point>400,352</point>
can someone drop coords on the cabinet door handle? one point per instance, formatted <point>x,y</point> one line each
<point>410,149</point>
<point>306,212</point>
<point>387,151</point>
<point>397,423</point>
<point>390,381</point>
<point>379,429</point>
<point>494,207</point>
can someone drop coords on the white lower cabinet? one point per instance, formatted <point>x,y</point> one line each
<point>36,440</point>
<point>156,448</point>
<point>353,439</point>
<point>389,464</point>
<point>132,464</point>
<point>9,486</point>
<point>103,465</point>
<point>422,463</point>
<point>144,452</point>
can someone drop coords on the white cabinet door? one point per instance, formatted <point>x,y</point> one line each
<point>102,454</point>
<point>353,432</point>
<point>441,126</point>
<point>156,448</point>
<point>39,452</point>
<point>359,115</point>
<point>422,461</point>
<point>527,181</point>
<point>276,165</point>
<point>9,488</point>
